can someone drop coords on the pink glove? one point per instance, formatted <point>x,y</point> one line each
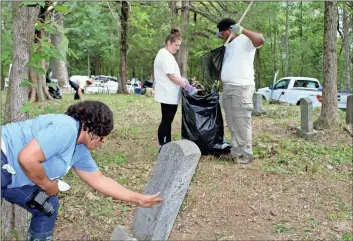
<point>185,80</point>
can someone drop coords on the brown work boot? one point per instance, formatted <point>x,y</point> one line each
<point>227,157</point>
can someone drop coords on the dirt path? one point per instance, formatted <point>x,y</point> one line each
<point>234,202</point>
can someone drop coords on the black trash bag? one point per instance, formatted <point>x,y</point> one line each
<point>202,123</point>
<point>56,93</point>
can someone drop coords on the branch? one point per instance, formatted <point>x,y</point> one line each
<point>339,31</point>
<point>199,34</point>
<point>211,31</point>
<point>204,14</point>
<point>145,4</point>
<point>219,12</point>
<point>206,7</point>
<point>111,10</point>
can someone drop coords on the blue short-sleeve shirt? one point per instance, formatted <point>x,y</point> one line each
<point>57,135</point>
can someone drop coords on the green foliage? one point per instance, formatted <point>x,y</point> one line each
<point>28,107</point>
<point>94,33</point>
<point>61,8</point>
<point>92,30</point>
<point>6,37</point>
<point>44,50</point>
<point>282,228</point>
<point>113,158</point>
<point>347,237</point>
<point>37,109</point>
<point>27,83</point>
<point>15,233</point>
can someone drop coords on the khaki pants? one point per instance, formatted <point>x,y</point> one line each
<point>238,106</point>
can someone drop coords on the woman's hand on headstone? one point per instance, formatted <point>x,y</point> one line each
<point>149,201</point>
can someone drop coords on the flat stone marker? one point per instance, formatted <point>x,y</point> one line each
<point>175,167</point>
<point>349,110</point>
<point>306,129</point>
<point>258,105</point>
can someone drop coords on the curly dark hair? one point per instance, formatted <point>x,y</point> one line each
<point>95,115</point>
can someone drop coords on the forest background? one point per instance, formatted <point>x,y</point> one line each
<point>294,33</point>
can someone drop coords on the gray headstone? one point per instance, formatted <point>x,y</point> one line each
<point>258,105</point>
<point>306,114</point>
<point>349,110</point>
<point>120,233</point>
<point>175,167</point>
<point>306,129</point>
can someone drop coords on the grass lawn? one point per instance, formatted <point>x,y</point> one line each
<point>295,188</point>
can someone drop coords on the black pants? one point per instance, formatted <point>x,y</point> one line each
<point>165,127</point>
<point>75,87</point>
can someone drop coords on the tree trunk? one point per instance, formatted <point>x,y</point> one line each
<point>58,66</point>
<point>275,48</point>
<point>346,47</point>
<point>24,18</point>
<point>2,81</point>
<point>329,112</point>
<point>287,40</point>
<point>258,68</point>
<point>301,38</point>
<point>124,17</point>
<point>97,65</point>
<point>34,80</point>
<point>182,55</point>
<point>23,29</point>
<point>174,10</point>
<point>273,37</point>
<point>41,92</point>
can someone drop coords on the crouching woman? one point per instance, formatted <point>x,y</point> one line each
<point>35,153</point>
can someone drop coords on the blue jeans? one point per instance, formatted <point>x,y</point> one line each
<point>41,227</point>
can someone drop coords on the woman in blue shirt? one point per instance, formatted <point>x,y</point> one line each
<point>36,152</point>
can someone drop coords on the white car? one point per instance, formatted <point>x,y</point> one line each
<point>100,87</point>
<point>291,89</point>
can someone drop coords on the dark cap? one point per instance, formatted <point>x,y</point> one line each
<point>224,24</point>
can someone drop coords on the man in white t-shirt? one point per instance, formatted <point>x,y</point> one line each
<point>237,76</point>
<point>78,83</point>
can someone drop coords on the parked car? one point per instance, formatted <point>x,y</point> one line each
<point>291,89</point>
<point>105,78</point>
<point>341,99</point>
<point>106,87</point>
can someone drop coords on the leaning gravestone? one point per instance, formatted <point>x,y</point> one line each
<point>306,129</point>
<point>258,105</point>
<point>175,167</point>
<point>349,110</point>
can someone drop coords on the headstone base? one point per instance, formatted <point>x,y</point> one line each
<point>120,233</point>
<point>277,102</point>
<point>307,135</point>
<point>258,113</point>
